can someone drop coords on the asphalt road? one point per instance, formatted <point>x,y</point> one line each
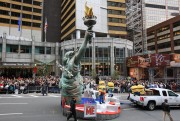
<point>34,107</point>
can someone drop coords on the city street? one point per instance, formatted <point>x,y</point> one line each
<point>34,107</point>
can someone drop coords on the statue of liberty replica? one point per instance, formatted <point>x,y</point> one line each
<point>71,81</point>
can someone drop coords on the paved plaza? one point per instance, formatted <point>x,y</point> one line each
<point>35,107</point>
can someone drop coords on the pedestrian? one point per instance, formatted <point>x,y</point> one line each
<point>44,89</point>
<point>72,109</point>
<point>166,110</point>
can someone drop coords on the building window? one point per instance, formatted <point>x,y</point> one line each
<point>117,28</point>
<point>15,14</point>
<point>163,29</point>
<point>3,12</point>
<point>27,1</point>
<point>14,22</point>
<point>164,37</point>
<point>12,48</point>
<point>119,54</point>
<point>3,4</point>
<point>116,4</point>
<point>25,49</point>
<point>26,16</point>
<point>36,17</point>
<point>156,6</point>
<point>151,40</point>
<point>39,50</point>
<point>36,25</point>
<point>116,12</point>
<point>37,3</point>
<point>3,20</point>
<point>164,45</point>
<point>177,42</point>
<point>176,24</point>
<point>177,33</point>
<point>36,10</point>
<point>174,14</point>
<point>103,61</point>
<point>17,0</point>
<point>27,8</point>
<point>117,20</point>
<point>16,6</point>
<point>151,33</point>
<point>151,47</point>
<point>173,8</point>
<point>26,23</point>
<point>48,50</point>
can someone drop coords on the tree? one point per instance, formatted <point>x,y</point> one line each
<point>93,73</point>
<point>115,75</point>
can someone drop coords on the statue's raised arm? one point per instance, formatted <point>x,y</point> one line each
<point>79,54</point>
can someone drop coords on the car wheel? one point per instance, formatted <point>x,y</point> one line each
<point>151,106</point>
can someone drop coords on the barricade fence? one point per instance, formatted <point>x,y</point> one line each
<point>29,89</point>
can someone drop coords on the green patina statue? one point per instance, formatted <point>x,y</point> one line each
<point>71,81</point>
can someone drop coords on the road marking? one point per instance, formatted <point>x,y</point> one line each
<point>33,95</point>
<point>129,109</point>
<point>16,95</point>
<point>54,96</point>
<point>13,103</point>
<point>5,114</point>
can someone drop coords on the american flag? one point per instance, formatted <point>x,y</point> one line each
<point>45,25</point>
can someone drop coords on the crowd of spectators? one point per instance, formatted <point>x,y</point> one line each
<point>122,86</point>
<point>24,85</point>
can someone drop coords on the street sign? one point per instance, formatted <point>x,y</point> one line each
<point>90,110</point>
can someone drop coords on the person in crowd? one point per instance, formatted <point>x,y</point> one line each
<point>166,110</point>
<point>97,79</point>
<point>72,109</point>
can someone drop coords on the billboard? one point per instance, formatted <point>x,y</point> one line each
<point>137,61</point>
<point>132,61</point>
<point>159,60</point>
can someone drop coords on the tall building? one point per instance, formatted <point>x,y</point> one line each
<point>164,37</point>
<point>157,11</point>
<point>111,19</point>
<point>51,12</point>
<point>142,14</point>
<point>21,18</point>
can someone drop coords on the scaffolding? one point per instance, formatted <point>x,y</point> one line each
<point>136,25</point>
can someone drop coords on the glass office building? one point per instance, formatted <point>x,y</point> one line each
<point>104,56</point>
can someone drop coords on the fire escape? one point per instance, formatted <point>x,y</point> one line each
<point>136,25</point>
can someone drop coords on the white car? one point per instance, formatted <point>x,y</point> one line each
<point>156,99</point>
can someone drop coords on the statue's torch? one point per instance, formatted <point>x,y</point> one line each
<point>89,19</point>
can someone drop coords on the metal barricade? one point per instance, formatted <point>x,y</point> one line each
<point>37,89</point>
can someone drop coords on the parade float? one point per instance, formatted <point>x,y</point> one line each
<point>87,106</point>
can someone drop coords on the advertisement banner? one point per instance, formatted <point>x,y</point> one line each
<point>90,110</point>
<point>176,58</point>
<point>132,61</point>
<point>137,61</point>
<point>159,60</point>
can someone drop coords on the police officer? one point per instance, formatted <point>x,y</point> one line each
<point>72,109</point>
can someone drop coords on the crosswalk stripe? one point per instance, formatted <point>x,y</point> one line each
<point>54,96</point>
<point>33,96</point>
<point>16,95</point>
